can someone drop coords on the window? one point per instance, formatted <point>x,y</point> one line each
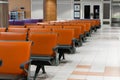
<point>106,11</point>
<point>76,11</point>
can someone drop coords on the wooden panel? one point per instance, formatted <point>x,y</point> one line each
<point>17,4</point>
<point>50,10</point>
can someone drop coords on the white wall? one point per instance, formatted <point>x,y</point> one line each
<point>65,9</point>
<point>37,9</point>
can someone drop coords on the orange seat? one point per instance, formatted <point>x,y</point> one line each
<point>65,36</point>
<point>53,26</point>
<point>39,30</point>
<point>30,24</point>
<point>16,26</point>
<point>77,34</point>
<point>13,63</point>
<point>2,29</point>
<point>58,23</point>
<point>65,41</point>
<point>77,30</point>
<point>23,30</point>
<point>42,50</point>
<point>43,43</point>
<point>98,24</point>
<point>83,28</point>
<point>34,26</point>
<point>12,36</point>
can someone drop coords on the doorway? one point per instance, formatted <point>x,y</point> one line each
<point>87,12</point>
<point>96,11</point>
<point>91,11</point>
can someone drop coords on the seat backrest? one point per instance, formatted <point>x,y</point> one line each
<point>88,26</point>
<point>65,36</point>
<point>83,27</point>
<point>12,36</point>
<point>23,30</point>
<point>39,30</point>
<point>80,25</point>
<point>98,22</point>
<point>53,26</point>
<point>58,23</point>
<point>77,30</point>
<point>13,54</point>
<point>2,29</point>
<point>16,26</point>
<point>43,43</point>
<point>34,26</point>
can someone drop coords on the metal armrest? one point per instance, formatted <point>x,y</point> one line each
<point>41,58</point>
<point>64,47</point>
<point>55,49</point>
<point>22,66</point>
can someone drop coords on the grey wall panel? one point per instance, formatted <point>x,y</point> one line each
<point>106,11</point>
<point>65,9</point>
<point>37,9</point>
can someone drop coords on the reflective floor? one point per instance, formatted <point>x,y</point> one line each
<point>97,59</point>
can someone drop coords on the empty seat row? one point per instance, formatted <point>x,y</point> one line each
<point>44,43</point>
<point>13,54</point>
<point>78,33</point>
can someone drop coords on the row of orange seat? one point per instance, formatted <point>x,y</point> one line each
<point>47,40</point>
<point>64,36</point>
<point>43,43</point>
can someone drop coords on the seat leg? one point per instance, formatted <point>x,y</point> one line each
<point>43,69</point>
<point>63,56</point>
<point>60,55</point>
<point>37,71</point>
<point>80,41</point>
<point>95,29</point>
<point>84,39</point>
<point>25,78</point>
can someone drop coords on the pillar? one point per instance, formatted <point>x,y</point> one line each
<point>3,13</point>
<point>50,10</point>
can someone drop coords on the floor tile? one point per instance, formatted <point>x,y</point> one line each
<point>97,59</point>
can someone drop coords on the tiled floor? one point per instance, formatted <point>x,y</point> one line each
<point>97,59</point>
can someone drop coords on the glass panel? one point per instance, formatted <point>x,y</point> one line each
<point>76,11</point>
<point>96,11</point>
<point>76,7</point>
<point>106,11</point>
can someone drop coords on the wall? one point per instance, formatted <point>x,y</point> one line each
<point>37,9</point>
<point>65,9</point>
<point>16,4</point>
